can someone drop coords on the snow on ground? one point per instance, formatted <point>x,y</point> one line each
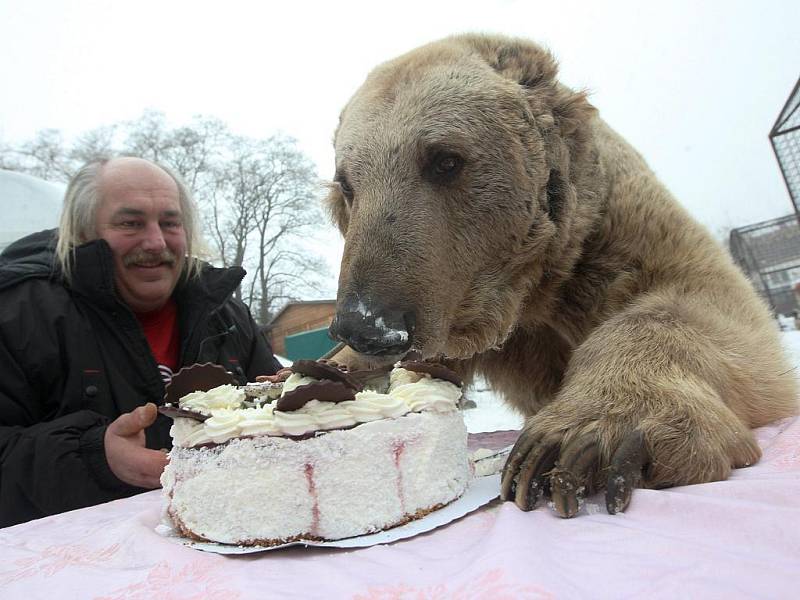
<point>491,414</point>
<point>791,341</point>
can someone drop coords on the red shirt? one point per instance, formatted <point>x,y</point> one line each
<point>161,330</point>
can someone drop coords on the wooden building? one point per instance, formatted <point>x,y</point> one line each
<point>300,329</point>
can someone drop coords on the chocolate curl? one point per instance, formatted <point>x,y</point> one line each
<point>433,369</point>
<point>173,413</point>
<point>326,370</point>
<point>363,375</point>
<point>195,378</point>
<point>324,391</point>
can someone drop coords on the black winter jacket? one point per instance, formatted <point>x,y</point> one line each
<point>73,358</point>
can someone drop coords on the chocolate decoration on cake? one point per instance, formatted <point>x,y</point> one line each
<point>196,378</point>
<point>325,370</point>
<point>173,413</point>
<point>436,370</point>
<point>412,355</point>
<point>362,375</point>
<point>324,391</point>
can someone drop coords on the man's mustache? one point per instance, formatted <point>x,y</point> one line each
<point>149,259</point>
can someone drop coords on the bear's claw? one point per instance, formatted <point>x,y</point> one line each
<point>526,473</point>
<point>573,479</point>
<point>538,466</point>
<point>625,472</point>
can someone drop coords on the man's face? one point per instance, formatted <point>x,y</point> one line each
<point>139,216</point>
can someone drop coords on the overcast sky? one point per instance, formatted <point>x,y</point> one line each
<point>695,86</point>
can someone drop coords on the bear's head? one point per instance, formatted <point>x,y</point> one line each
<point>454,191</point>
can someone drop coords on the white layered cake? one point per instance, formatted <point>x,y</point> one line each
<point>255,473</point>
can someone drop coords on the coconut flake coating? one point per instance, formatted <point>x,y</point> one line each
<point>268,490</point>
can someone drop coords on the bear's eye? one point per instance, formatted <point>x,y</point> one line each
<point>344,185</point>
<point>444,167</point>
<point>447,164</point>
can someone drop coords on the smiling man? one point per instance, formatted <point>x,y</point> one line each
<point>142,222</point>
<point>95,319</point>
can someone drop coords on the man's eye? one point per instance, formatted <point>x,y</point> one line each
<point>171,224</point>
<point>129,224</point>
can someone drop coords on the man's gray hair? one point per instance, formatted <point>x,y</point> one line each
<point>81,201</point>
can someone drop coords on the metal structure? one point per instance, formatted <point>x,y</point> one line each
<point>769,254</point>
<point>785,140</point>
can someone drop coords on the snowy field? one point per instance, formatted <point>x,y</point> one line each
<point>491,414</point>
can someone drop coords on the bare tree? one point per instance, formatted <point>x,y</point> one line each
<point>263,202</point>
<point>229,211</point>
<point>285,276</point>
<point>286,210</point>
<point>92,145</point>
<point>8,158</point>
<point>45,156</point>
<point>192,150</point>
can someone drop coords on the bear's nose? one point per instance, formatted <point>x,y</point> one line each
<point>369,328</point>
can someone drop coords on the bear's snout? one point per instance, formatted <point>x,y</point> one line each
<point>373,329</point>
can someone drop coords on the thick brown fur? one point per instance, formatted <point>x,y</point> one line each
<point>555,263</point>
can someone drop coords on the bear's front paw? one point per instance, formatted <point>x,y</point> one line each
<point>539,467</point>
<point>563,456</point>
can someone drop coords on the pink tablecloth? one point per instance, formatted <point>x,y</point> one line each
<point>734,539</point>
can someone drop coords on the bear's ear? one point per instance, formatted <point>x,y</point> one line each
<point>518,60</point>
<point>556,195</point>
<point>526,63</point>
<point>535,69</point>
<point>337,208</point>
<point>572,112</point>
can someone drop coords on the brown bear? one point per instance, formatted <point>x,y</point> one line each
<point>492,217</point>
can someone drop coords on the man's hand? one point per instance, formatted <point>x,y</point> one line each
<point>279,377</point>
<point>126,454</point>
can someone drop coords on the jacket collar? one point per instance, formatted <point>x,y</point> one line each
<point>93,273</point>
<point>30,257</point>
